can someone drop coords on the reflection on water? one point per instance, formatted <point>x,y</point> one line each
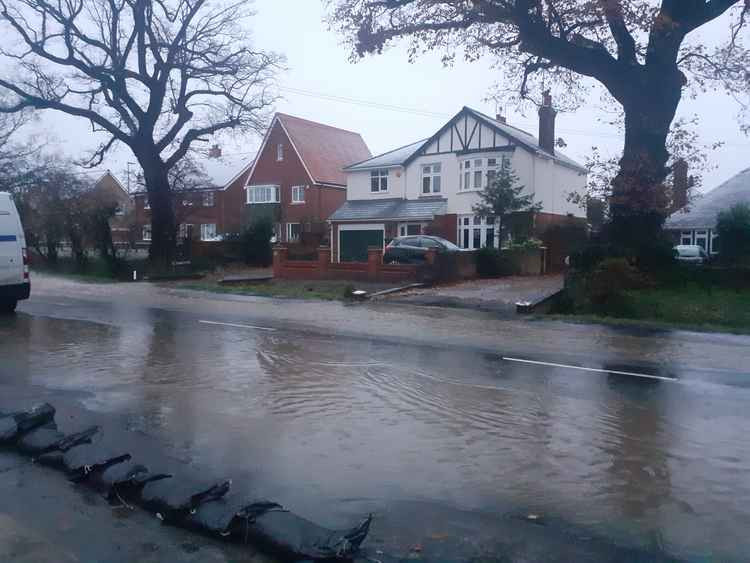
<point>313,420</point>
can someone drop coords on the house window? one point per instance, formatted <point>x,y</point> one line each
<point>208,199</point>
<point>701,239</point>
<point>686,237</point>
<point>262,194</point>
<point>714,243</point>
<point>293,231</point>
<point>379,180</point>
<point>465,178</point>
<point>279,152</point>
<point>146,232</point>
<point>478,183</point>
<point>119,211</point>
<point>208,231</point>
<point>185,231</point>
<point>146,203</point>
<point>410,229</point>
<point>298,194</point>
<point>431,179</point>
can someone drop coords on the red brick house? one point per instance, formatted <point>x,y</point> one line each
<point>204,212</point>
<point>297,178</point>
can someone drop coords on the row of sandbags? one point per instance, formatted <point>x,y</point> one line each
<point>202,507</point>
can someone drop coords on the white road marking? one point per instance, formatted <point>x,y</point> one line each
<point>596,370</point>
<point>253,327</point>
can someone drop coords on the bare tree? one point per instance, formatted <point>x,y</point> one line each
<point>155,75</point>
<point>638,50</point>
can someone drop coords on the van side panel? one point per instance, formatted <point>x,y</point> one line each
<point>12,241</point>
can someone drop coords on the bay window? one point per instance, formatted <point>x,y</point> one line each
<point>262,194</point>
<point>208,231</point>
<point>478,173</point>
<point>476,232</point>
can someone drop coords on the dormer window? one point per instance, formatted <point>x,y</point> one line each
<point>279,152</point>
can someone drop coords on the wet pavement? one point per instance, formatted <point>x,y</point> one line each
<point>452,428</point>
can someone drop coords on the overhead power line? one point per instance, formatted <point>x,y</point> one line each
<point>425,113</point>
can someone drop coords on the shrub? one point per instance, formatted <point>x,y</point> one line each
<point>256,242</point>
<point>488,262</point>
<point>733,226</point>
<point>609,280</point>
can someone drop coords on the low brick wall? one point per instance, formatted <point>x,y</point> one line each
<point>323,269</point>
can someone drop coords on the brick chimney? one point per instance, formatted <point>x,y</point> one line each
<point>680,184</point>
<point>547,124</point>
<point>214,152</point>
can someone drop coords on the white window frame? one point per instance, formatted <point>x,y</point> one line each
<point>468,165</point>
<point>472,222</point>
<point>432,175</point>
<point>146,203</point>
<point>280,152</point>
<point>252,192</point>
<point>704,235</point>
<point>183,230</point>
<point>713,237</point>
<point>144,231</point>
<point>381,175</point>
<point>208,234</point>
<point>209,199</point>
<point>298,194</point>
<point>686,235</point>
<point>403,229</point>
<point>289,237</point>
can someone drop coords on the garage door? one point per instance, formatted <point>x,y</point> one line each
<point>353,244</point>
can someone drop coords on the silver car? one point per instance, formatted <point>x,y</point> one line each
<point>690,254</point>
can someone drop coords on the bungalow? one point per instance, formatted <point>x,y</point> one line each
<point>696,223</point>
<point>431,186</point>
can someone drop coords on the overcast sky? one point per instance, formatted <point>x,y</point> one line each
<point>321,84</point>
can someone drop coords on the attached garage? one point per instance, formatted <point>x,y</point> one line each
<point>355,239</point>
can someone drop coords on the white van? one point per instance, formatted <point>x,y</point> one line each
<point>14,261</point>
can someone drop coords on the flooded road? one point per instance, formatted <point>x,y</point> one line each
<point>451,448</point>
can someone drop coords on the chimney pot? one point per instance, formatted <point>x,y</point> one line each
<point>547,116</point>
<point>501,118</point>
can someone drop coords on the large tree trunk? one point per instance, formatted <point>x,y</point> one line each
<point>639,201</point>
<point>162,249</point>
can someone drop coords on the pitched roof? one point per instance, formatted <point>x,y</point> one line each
<point>525,139</point>
<point>404,155</point>
<point>324,150</point>
<point>396,157</point>
<point>391,209</point>
<point>703,213</point>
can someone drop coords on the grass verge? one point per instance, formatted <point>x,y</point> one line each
<point>689,307</point>
<point>289,289</point>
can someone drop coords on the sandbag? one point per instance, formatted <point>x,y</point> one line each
<point>215,517</point>
<point>39,441</point>
<point>174,499</point>
<point>14,425</point>
<point>286,534</point>
<point>82,461</point>
<point>48,439</point>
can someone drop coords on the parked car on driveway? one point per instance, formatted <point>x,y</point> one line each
<point>690,254</point>
<point>412,249</point>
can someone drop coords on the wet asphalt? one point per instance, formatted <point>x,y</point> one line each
<point>468,437</point>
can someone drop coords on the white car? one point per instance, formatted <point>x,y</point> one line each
<point>690,254</point>
<point>14,260</point>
